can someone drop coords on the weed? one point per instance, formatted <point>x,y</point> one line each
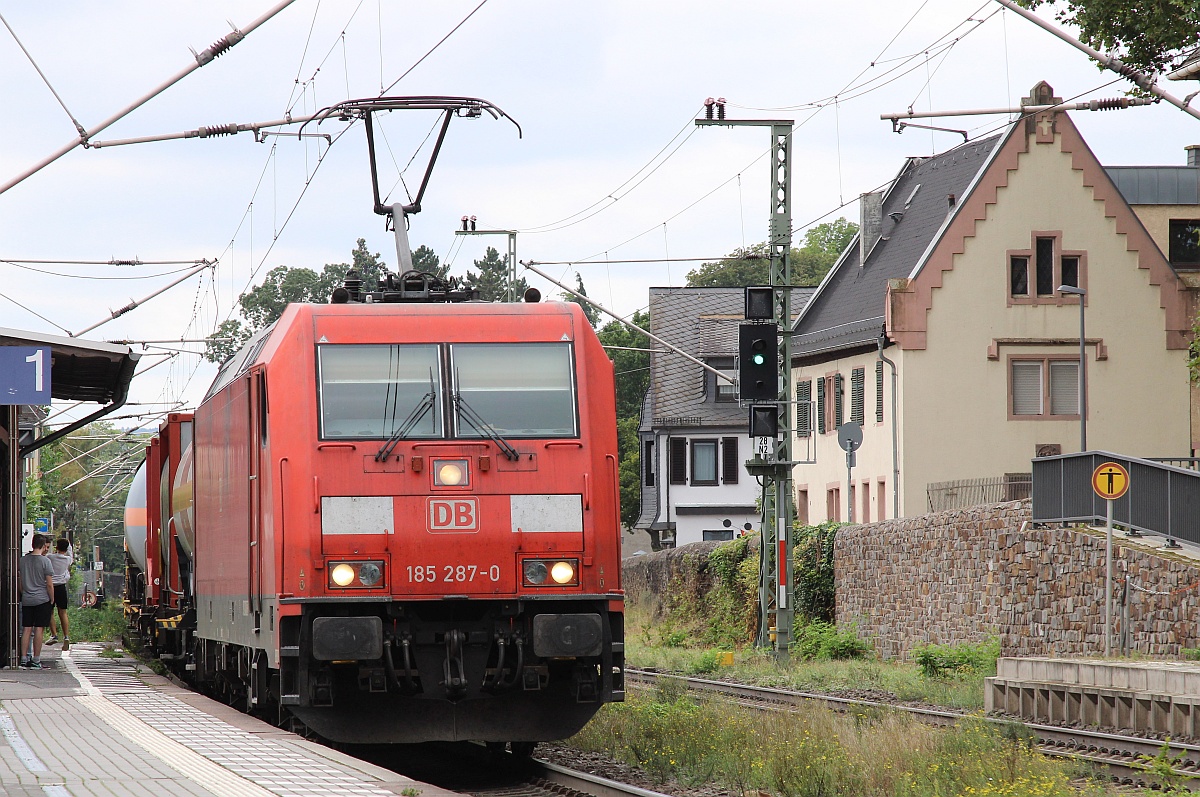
<point>821,640</point>
<point>409,791</point>
<point>104,624</point>
<point>939,661</point>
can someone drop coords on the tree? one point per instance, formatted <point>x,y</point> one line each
<point>424,259</point>
<point>1148,36</point>
<point>751,265</point>
<point>263,304</point>
<point>589,310</point>
<point>492,279</point>
<point>632,373</point>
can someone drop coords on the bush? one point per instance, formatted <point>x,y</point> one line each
<point>104,624</point>
<point>939,661</point>
<point>812,565</point>
<point>819,640</point>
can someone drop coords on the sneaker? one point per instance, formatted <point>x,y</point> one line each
<point>27,664</point>
<point>66,643</point>
<point>52,640</point>
<point>35,665</point>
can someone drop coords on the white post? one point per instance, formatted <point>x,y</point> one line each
<point>1108,581</point>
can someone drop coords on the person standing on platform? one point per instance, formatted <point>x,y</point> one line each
<point>62,560</point>
<point>36,589</point>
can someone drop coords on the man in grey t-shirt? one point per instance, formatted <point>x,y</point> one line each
<point>36,587</point>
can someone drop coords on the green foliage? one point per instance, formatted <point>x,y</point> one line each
<point>812,564</point>
<point>631,370</point>
<point>707,663</point>
<point>1147,36</point>
<point>940,661</point>
<point>262,305</point>
<point>825,641</point>
<point>105,624</point>
<point>751,265</point>
<point>589,310</point>
<point>492,278</point>
<point>1189,654</point>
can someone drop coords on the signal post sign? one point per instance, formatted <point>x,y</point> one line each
<point>1110,481</point>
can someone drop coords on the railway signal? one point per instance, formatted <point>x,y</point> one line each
<point>758,362</point>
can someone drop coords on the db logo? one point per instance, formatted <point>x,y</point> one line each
<point>452,515</point>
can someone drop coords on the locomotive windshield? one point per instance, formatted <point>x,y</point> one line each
<point>519,389</point>
<point>396,391</point>
<point>373,391</point>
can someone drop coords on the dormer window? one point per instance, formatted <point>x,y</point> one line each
<point>1034,274</point>
<point>722,390</point>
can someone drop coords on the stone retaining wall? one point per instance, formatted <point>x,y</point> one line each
<point>965,575</point>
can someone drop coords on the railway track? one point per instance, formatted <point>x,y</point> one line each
<point>1127,759</point>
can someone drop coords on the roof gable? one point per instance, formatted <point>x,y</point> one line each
<point>910,300</point>
<point>847,310</point>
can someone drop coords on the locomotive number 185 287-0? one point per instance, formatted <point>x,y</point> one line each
<point>446,574</point>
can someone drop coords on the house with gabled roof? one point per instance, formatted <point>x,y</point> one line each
<point>693,432</point>
<point>943,332</point>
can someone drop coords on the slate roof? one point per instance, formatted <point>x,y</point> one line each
<point>704,323</point>
<point>1157,185</point>
<point>848,308</point>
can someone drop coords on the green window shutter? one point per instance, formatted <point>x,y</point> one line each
<point>879,391</point>
<point>821,405</point>
<point>839,389</point>
<point>804,408</point>
<point>858,380</point>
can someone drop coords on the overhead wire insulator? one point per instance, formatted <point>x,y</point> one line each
<point>217,130</point>
<point>721,108</point>
<point>219,47</point>
<point>708,108</point>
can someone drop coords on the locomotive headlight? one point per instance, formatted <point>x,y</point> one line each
<point>550,572</point>
<point>562,572</point>
<point>369,574</point>
<point>352,575</point>
<point>342,575</point>
<point>535,572</point>
<point>450,473</point>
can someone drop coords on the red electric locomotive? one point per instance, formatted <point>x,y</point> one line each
<point>405,523</point>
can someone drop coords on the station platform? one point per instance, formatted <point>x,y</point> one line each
<point>92,726</point>
<point>1140,696</point>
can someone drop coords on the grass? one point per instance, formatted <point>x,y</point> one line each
<point>105,624</point>
<point>812,752</point>
<point>649,646</point>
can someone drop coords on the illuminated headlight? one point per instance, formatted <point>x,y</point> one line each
<point>562,572</point>
<point>550,572</point>
<point>450,473</point>
<point>351,575</point>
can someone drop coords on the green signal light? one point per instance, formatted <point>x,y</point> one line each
<point>759,359</point>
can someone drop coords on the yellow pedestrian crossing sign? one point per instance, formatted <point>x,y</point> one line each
<point>1110,480</point>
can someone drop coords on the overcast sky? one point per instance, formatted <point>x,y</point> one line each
<point>604,92</point>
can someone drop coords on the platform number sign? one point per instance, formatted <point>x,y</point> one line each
<point>24,375</point>
<point>1110,480</point>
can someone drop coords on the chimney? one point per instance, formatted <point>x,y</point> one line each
<point>870,224</point>
<point>1193,154</point>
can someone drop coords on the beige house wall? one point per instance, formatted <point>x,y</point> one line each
<point>1138,400</point>
<point>873,464</point>
<point>1156,219</point>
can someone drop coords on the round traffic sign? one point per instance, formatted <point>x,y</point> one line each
<point>1110,480</point>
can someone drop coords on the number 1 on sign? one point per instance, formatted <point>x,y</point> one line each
<point>36,359</point>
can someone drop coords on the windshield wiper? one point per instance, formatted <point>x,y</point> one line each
<point>414,417</point>
<point>473,417</point>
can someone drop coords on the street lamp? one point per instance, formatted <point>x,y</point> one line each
<point>1071,290</point>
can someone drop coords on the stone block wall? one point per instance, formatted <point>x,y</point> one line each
<point>966,575</point>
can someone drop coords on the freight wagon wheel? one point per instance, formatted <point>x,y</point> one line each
<point>522,749</point>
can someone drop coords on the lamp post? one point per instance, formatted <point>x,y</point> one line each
<point>1071,290</point>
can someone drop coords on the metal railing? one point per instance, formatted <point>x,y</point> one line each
<point>962,493</point>
<point>1162,498</point>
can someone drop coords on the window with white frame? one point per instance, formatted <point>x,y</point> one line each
<point>704,462</point>
<point>1044,388</point>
